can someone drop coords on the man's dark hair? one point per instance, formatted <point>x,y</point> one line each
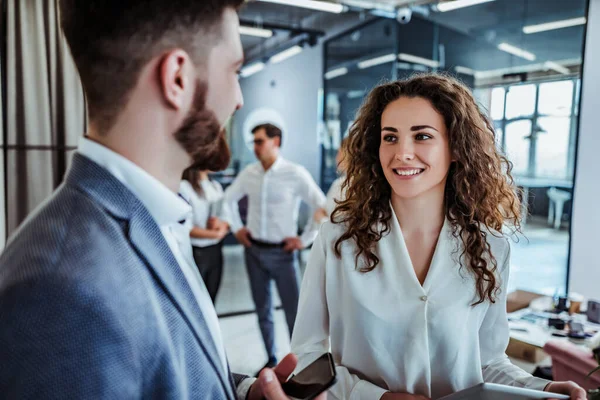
<point>270,130</point>
<point>112,40</point>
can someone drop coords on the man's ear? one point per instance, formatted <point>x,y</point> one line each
<point>174,77</point>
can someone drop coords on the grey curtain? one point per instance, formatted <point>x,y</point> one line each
<point>45,107</point>
<point>2,120</point>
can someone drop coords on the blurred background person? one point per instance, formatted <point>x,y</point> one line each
<point>205,196</point>
<point>274,187</point>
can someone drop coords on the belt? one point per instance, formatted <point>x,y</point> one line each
<point>267,245</point>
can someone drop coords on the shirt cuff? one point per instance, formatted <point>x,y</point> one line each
<point>244,387</point>
<point>538,384</point>
<point>235,226</point>
<point>366,390</point>
<point>308,238</point>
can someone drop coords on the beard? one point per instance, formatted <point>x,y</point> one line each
<point>201,135</point>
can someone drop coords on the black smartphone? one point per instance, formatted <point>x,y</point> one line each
<point>312,380</point>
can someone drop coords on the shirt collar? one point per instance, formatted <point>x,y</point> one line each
<point>165,206</point>
<point>277,164</point>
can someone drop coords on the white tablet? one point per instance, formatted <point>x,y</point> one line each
<point>492,391</point>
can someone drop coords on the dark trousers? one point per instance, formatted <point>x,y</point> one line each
<point>264,265</point>
<point>209,261</point>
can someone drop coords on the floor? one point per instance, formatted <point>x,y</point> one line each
<point>538,264</point>
<point>241,335</point>
<point>539,261</point>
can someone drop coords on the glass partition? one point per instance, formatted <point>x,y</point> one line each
<point>522,58</point>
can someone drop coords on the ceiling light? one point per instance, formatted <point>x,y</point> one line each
<point>548,26</point>
<point>557,67</point>
<point>334,73</point>
<point>310,4</point>
<point>252,69</point>
<point>465,70</point>
<point>258,32</point>
<point>355,94</point>
<point>515,51</point>
<point>377,61</point>
<point>456,4</point>
<point>378,12</point>
<point>284,55</point>
<point>418,60</point>
<point>525,68</point>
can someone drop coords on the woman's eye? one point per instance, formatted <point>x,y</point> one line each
<point>422,136</point>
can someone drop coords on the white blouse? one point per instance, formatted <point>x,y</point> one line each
<point>334,193</point>
<point>209,203</point>
<point>388,333</point>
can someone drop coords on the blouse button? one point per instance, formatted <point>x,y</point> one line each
<point>423,298</point>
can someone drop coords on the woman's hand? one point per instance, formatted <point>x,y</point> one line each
<point>215,223</point>
<point>570,388</point>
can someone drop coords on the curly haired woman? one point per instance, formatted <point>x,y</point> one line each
<point>407,283</point>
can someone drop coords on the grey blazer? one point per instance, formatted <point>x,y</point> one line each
<point>94,305</point>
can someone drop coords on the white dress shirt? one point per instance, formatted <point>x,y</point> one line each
<point>388,333</point>
<point>167,209</point>
<point>274,201</point>
<point>206,204</point>
<point>335,193</point>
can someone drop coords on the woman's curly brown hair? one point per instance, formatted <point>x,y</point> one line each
<point>480,195</point>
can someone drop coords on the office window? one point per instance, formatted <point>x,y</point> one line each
<point>556,98</point>
<point>517,145</point>
<point>539,122</point>
<point>520,101</point>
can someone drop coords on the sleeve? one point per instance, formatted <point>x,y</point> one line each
<point>243,384</point>
<point>493,338</point>
<point>312,195</point>
<point>224,210</point>
<point>311,330</point>
<point>233,194</point>
<point>60,341</point>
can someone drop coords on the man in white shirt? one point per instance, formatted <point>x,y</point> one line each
<point>274,187</point>
<point>98,288</point>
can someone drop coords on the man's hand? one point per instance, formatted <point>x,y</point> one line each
<point>292,244</point>
<point>243,237</point>
<point>571,388</point>
<point>402,396</point>
<point>268,385</point>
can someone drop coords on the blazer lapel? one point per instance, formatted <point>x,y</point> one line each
<point>147,238</point>
<point>148,241</point>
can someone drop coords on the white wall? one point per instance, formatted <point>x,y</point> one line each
<point>585,240</point>
<point>291,88</point>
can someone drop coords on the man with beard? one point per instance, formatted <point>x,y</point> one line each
<point>99,296</point>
